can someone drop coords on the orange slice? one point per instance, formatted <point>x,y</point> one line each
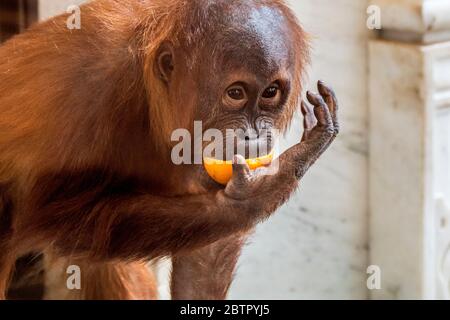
<point>221,171</point>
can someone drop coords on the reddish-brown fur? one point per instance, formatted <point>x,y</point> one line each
<point>85,129</point>
<point>99,281</point>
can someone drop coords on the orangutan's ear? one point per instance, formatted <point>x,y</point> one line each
<point>165,63</point>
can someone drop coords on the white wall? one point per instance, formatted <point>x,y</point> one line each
<point>410,126</point>
<point>316,246</point>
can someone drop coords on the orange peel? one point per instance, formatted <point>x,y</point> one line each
<point>221,171</point>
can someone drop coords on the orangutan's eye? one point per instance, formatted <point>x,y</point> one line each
<point>236,93</point>
<point>272,95</point>
<point>270,92</point>
<point>235,97</point>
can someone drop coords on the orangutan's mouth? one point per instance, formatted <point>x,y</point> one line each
<point>248,148</point>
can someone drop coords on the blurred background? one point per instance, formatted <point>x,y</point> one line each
<point>371,219</point>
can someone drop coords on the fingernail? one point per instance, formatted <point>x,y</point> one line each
<point>323,88</point>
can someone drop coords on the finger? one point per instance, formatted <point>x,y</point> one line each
<point>304,108</point>
<point>320,139</point>
<point>329,97</point>
<point>309,119</point>
<point>306,124</point>
<point>241,170</point>
<point>321,110</point>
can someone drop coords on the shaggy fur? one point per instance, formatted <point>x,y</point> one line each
<point>85,126</point>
